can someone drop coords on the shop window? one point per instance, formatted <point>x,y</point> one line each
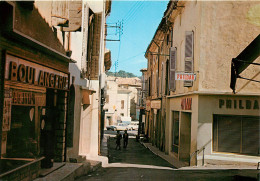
<point>21,139</point>
<point>175,131</point>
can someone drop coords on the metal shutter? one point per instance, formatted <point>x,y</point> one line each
<point>250,135</point>
<point>229,134</point>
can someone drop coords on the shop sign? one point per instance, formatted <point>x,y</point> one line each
<point>186,103</point>
<point>238,104</point>
<point>20,70</point>
<point>7,110</point>
<point>23,98</point>
<point>156,104</point>
<point>148,105</point>
<point>185,76</point>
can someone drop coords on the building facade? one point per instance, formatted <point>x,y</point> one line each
<point>54,74</point>
<point>204,116</point>
<point>35,83</point>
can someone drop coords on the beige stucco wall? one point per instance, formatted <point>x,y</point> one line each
<point>187,20</point>
<point>226,29</point>
<point>209,106</point>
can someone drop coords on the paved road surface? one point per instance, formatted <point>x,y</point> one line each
<point>138,163</point>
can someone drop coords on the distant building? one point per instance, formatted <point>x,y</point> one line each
<point>121,99</point>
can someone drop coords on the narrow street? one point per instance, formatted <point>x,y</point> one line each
<point>138,163</point>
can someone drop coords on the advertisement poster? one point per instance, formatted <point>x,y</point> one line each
<point>7,110</point>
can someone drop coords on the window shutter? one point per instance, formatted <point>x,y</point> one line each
<point>122,104</point>
<point>188,56</point>
<point>75,16</point>
<point>93,67</point>
<point>173,57</point>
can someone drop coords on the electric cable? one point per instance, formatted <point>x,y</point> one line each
<point>134,12</point>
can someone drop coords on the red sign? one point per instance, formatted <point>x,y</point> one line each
<point>186,104</point>
<point>185,76</point>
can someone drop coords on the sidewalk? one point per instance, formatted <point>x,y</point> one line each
<point>212,165</point>
<point>161,154</point>
<point>67,171</point>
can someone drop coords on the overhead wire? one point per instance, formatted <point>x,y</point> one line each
<point>131,9</point>
<point>142,8</point>
<point>134,11</point>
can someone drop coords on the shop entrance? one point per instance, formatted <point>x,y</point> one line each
<point>48,128</point>
<point>185,136</point>
<point>236,134</point>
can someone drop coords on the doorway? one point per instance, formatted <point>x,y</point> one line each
<point>185,136</point>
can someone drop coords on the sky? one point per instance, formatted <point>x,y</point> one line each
<point>139,21</point>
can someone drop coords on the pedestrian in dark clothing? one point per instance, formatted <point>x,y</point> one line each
<point>125,136</point>
<point>118,140</point>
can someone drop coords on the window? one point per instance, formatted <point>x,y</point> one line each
<point>122,114</point>
<point>173,57</point>
<point>175,131</point>
<point>188,55</point>
<point>122,104</point>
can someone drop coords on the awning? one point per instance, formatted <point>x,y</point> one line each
<point>243,60</point>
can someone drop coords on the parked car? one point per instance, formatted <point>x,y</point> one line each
<point>133,126</point>
<point>121,126</point>
<point>111,127</point>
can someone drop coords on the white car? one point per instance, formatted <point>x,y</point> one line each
<point>120,126</point>
<point>133,126</point>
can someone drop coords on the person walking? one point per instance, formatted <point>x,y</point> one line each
<point>125,136</point>
<point>118,140</point>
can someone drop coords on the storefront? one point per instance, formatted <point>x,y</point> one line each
<point>222,124</point>
<point>34,111</point>
<point>34,83</point>
<point>155,124</point>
